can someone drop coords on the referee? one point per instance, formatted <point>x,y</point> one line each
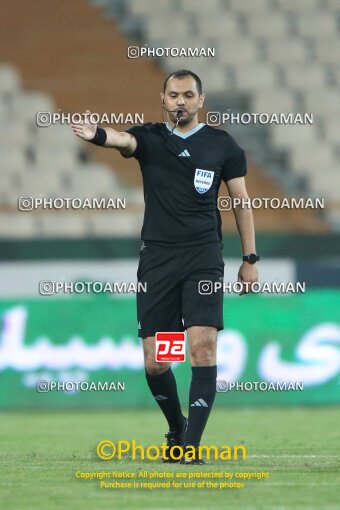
<point>183,163</point>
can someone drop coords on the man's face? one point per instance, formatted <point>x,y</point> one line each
<point>182,94</point>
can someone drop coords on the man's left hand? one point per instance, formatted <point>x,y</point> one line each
<point>247,274</point>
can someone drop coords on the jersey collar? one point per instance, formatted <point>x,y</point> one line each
<point>188,133</point>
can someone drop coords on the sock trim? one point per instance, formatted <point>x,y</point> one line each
<point>204,372</point>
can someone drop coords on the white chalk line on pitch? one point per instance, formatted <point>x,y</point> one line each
<point>293,456</point>
<point>271,508</point>
<point>289,507</point>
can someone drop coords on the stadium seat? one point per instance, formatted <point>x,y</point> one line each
<point>10,82</point>
<point>183,40</point>
<point>12,184</point>
<point>271,25</point>
<point>8,192</point>
<point>4,109</point>
<point>301,5</point>
<point>333,216</point>
<point>187,41</point>
<point>316,24</point>
<point>215,26</point>
<point>154,28</point>
<point>27,105</point>
<point>172,64</point>
<point>136,8</point>
<point>245,6</point>
<point>15,134</point>
<point>43,183</point>
<point>327,50</point>
<point>287,51</point>
<point>326,188</point>
<point>332,4</point>
<point>255,77</point>
<point>58,135</point>
<point>322,102</point>
<point>194,6</point>
<point>215,82</point>
<point>311,158</point>
<point>290,136</point>
<point>11,158</point>
<point>12,175</point>
<point>18,225</point>
<point>95,180</point>
<point>54,158</point>
<point>332,130</point>
<point>238,51</point>
<point>335,71</point>
<point>134,196</point>
<point>64,224</point>
<point>269,101</point>
<point>215,77</point>
<point>116,223</point>
<point>304,77</point>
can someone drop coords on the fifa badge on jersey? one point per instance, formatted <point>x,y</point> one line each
<point>203,180</point>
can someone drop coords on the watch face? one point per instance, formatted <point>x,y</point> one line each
<point>252,258</point>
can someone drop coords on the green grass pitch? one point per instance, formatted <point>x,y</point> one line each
<point>299,447</point>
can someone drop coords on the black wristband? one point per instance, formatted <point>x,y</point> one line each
<point>251,259</point>
<point>100,137</point>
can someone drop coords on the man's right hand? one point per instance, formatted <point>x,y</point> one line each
<point>122,141</point>
<point>85,129</point>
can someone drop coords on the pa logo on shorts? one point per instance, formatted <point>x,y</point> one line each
<point>203,180</point>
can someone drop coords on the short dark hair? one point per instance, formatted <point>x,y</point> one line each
<point>180,74</point>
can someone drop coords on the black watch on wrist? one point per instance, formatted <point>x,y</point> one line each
<point>251,258</point>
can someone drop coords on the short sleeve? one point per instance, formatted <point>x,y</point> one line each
<point>235,163</point>
<point>139,132</point>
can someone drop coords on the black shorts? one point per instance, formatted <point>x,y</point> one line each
<point>173,300</point>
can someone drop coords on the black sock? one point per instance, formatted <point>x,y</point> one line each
<point>201,399</point>
<point>164,389</point>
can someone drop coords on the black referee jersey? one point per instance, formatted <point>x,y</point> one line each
<point>182,174</point>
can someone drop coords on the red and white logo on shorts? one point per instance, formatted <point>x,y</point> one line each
<point>170,346</point>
